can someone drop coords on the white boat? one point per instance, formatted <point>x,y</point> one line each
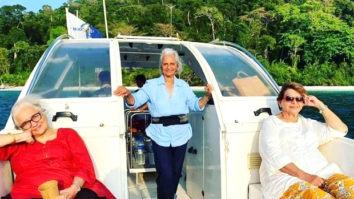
<point>222,158</point>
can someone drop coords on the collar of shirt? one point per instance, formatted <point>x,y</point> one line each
<point>161,80</point>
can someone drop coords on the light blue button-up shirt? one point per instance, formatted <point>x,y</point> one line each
<point>155,93</point>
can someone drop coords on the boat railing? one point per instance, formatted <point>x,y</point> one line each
<point>128,37</point>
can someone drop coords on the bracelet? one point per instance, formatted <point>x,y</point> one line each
<point>77,186</point>
<point>13,138</point>
<point>322,108</point>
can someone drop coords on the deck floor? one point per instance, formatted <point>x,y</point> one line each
<point>143,186</point>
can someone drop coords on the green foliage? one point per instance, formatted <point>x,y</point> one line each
<point>25,56</point>
<point>344,9</point>
<point>324,37</point>
<point>14,35</point>
<point>190,77</point>
<point>309,41</point>
<point>213,15</point>
<point>266,43</point>
<point>17,79</point>
<point>56,32</point>
<point>122,28</point>
<point>280,71</point>
<point>11,17</point>
<point>293,42</point>
<point>4,61</point>
<point>130,74</point>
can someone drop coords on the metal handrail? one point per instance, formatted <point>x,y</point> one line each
<point>129,122</point>
<point>146,38</point>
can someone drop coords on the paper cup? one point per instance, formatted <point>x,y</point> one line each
<point>49,189</point>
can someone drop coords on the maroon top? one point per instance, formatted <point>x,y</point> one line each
<point>60,159</point>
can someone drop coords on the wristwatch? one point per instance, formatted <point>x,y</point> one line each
<point>322,108</point>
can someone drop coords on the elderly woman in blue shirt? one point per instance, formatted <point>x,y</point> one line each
<point>169,100</point>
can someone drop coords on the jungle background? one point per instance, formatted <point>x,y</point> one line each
<point>307,41</point>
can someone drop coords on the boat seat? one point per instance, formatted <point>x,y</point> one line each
<point>255,187</point>
<point>255,191</point>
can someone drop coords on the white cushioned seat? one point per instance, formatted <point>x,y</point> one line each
<point>255,191</point>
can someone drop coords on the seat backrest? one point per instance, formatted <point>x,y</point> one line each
<point>254,162</point>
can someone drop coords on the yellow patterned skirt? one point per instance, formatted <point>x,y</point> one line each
<point>337,186</point>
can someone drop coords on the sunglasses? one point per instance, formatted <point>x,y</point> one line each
<point>291,99</point>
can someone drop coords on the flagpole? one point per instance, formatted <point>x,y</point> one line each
<point>105,17</point>
<point>67,20</point>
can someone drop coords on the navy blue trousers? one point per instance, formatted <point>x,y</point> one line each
<point>169,163</point>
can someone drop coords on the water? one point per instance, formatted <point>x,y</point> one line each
<point>340,102</point>
<point>7,99</point>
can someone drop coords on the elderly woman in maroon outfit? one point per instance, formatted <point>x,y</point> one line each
<point>41,153</point>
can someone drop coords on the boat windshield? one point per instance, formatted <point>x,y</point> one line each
<point>74,69</point>
<point>236,73</point>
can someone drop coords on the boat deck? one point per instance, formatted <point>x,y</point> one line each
<point>143,186</point>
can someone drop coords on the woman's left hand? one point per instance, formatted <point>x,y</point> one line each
<point>204,100</point>
<point>68,193</point>
<point>25,137</point>
<point>311,100</point>
<point>208,89</point>
<point>330,118</point>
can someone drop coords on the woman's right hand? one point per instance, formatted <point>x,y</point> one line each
<point>315,180</point>
<point>122,91</point>
<point>293,170</point>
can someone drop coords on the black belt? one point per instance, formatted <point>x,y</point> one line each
<point>170,120</point>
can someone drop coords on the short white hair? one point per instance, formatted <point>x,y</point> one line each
<point>30,100</point>
<point>170,51</point>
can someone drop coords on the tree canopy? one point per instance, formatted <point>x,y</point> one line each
<point>308,41</point>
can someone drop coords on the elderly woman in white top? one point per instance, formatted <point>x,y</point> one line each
<point>292,166</point>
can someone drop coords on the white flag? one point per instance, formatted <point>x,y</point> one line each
<point>76,27</point>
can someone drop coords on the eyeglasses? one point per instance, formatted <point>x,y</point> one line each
<point>28,124</point>
<point>291,99</point>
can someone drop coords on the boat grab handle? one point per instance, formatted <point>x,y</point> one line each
<point>263,110</point>
<point>64,114</point>
<point>192,150</point>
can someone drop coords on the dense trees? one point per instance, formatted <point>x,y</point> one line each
<point>309,41</point>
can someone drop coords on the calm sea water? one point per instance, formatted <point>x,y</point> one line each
<point>341,102</point>
<point>7,99</point>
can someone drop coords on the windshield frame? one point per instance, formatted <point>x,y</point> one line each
<point>248,57</point>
